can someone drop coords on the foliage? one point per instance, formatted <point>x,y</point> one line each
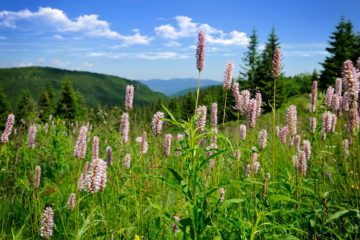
<point>344,44</point>
<point>96,88</point>
<point>4,106</point>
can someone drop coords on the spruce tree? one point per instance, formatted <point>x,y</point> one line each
<point>188,107</point>
<point>4,107</point>
<point>67,105</point>
<point>45,105</point>
<point>264,80</point>
<point>26,107</point>
<point>174,108</point>
<point>251,61</point>
<point>342,47</point>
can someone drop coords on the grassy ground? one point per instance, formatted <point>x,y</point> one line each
<point>142,201</point>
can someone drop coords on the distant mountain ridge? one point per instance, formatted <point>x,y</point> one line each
<point>96,88</point>
<point>173,86</point>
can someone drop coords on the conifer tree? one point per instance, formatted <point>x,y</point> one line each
<point>67,105</point>
<point>26,107</point>
<point>174,108</point>
<point>251,62</point>
<point>188,107</point>
<point>342,47</point>
<point>4,107</point>
<point>45,105</point>
<point>264,80</point>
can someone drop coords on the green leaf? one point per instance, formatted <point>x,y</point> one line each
<point>278,197</point>
<point>176,175</point>
<point>344,213</point>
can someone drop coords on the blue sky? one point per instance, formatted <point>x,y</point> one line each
<point>143,39</point>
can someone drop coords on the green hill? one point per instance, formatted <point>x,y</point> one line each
<point>96,88</point>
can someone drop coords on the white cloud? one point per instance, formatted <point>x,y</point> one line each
<point>187,28</point>
<point>58,36</point>
<point>95,54</point>
<point>57,20</point>
<point>60,63</point>
<point>41,60</point>
<point>161,55</point>
<point>2,38</point>
<point>87,64</point>
<point>24,64</point>
<point>173,44</point>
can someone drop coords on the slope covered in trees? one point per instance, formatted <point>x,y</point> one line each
<point>95,88</point>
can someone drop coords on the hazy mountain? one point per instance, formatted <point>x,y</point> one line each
<point>175,85</point>
<point>96,88</point>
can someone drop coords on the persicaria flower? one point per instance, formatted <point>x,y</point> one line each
<point>327,121</point>
<point>8,128</point>
<point>283,134</point>
<point>47,223</point>
<point>346,101</point>
<point>307,149</point>
<point>251,113</point>
<point>292,120</point>
<point>127,161</point>
<point>201,122</point>
<point>276,63</point>
<point>129,97</point>
<point>31,137</point>
<point>258,104</point>
<point>157,123</point>
<point>167,144</point>
<point>222,194</point>
<point>245,100</point>
<point>354,120</point>
<point>174,227</point>
<point>302,164</point>
<point>109,155</point>
<point>95,148</point>
<point>242,130</point>
<point>329,96</point>
<point>124,127</point>
<point>237,96</point>
<point>214,108</point>
<point>37,177</point>
<point>237,154</point>
<point>80,147</point>
<point>213,138</point>
<point>228,75</point>
<point>144,144</point>
<point>262,139</point>
<point>336,102</point>
<point>277,131</point>
<point>313,97</point>
<point>71,202</point>
<point>350,81</point>
<point>333,123</point>
<point>338,86</point>
<point>200,52</point>
<point>96,177</point>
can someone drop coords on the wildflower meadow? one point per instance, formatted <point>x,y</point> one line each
<point>292,172</point>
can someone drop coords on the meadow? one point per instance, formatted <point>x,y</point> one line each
<point>292,173</point>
